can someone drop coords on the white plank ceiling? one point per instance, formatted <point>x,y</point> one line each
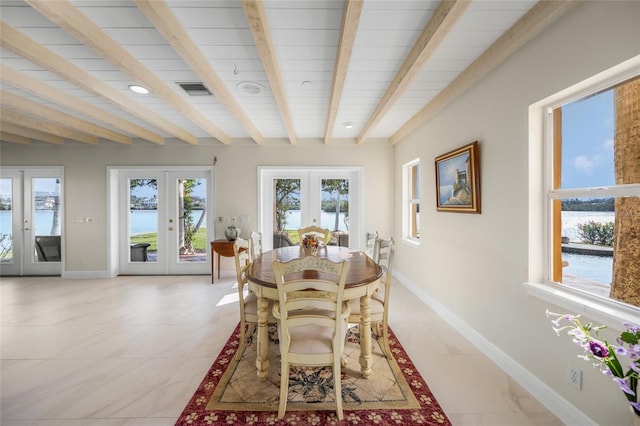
<point>300,71</point>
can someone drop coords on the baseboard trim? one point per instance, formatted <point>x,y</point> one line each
<point>547,396</point>
<point>77,275</point>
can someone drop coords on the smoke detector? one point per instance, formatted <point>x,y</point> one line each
<point>250,87</point>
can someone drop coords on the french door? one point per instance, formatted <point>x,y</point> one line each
<point>31,213</point>
<point>292,198</point>
<point>164,221</point>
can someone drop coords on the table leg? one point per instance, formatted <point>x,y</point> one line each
<point>218,265</point>
<point>262,344</point>
<point>365,335</point>
<point>213,269</point>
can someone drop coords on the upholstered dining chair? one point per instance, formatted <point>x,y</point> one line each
<point>370,244</point>
<point>248,301</point>
<point>255,245</point>
<point>312,319</point>
<point>323,234</point>
<point>384,250</point>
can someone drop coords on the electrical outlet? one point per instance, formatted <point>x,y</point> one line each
<point>574,376</point>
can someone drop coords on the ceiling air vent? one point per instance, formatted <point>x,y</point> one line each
<point>195,89</point>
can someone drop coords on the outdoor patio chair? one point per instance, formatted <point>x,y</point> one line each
<point>48,248</point>
<point>281,239</point>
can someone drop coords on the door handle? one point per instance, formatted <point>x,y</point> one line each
<point>171,228</point>
<point>26,229</point>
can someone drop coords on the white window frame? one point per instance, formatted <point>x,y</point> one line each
<point>266,175</point>
<point>541,194</point>
<point>408,201</point>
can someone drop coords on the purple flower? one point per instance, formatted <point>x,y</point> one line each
<point>598,349</point>
<point>624,387</point>
<point>631,327</point>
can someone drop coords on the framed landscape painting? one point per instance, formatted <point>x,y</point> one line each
<point>458,180</point>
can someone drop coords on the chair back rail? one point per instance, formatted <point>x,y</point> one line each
<point>323,234</point>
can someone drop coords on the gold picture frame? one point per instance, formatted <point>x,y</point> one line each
<point>458,180</point>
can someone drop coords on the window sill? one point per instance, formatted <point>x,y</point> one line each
<point>411,242</point>
<point>596,309</point>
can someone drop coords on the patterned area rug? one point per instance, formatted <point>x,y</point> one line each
<point>231,393</point>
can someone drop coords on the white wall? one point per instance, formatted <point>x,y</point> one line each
<point>474,265</point>
<point>235,182</point>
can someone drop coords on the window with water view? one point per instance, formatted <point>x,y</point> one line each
<point>595,199</point>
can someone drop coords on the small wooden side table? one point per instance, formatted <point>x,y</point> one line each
<point>223,248</point>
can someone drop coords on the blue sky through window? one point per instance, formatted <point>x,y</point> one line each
<point>587,142</point>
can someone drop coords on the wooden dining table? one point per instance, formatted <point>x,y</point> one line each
<point>363,278</point>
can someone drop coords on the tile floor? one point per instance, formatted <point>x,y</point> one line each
<point>131,351</point>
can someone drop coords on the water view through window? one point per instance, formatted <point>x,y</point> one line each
<point>590,187</point>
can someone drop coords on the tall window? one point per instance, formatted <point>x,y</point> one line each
<point>594,193</point>
<point>411,191</point>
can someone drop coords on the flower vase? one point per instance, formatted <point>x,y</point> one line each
<point>310,250</point>
<point>232,233</point>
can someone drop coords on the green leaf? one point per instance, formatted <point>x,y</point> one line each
<point>628,337</point>
<point>613,363</point>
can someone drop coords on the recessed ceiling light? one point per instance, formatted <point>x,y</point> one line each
<point>349,124</point>
<point>306,83</point>
<point>138,89</point>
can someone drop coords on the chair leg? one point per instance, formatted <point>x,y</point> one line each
<point>243,341</point>
<point>284,389</point>
<point>337,387</point>
<point>385,341</point>
<point>246,330</point>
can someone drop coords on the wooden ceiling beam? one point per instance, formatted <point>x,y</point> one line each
<point>257,19</point>
<point>29,84</point>
<point>350,21</point>
<point>530,25</point>
<point>31,133</point>
<point>159,14</point>
<point>10,137</point>
<point>44,112</point>
<point>24,120</point>
<point>27,48</point>
<point>441,22</point>
<point>74,22</point>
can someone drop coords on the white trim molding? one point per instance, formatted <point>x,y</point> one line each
<point>547,396</point>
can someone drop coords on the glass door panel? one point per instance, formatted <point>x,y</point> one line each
<point>335,209</point>
<point>6,221</point>
<point>143,220</point>
<point>192,224</point>
<point>46,220</point>
<point>286,211</point>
